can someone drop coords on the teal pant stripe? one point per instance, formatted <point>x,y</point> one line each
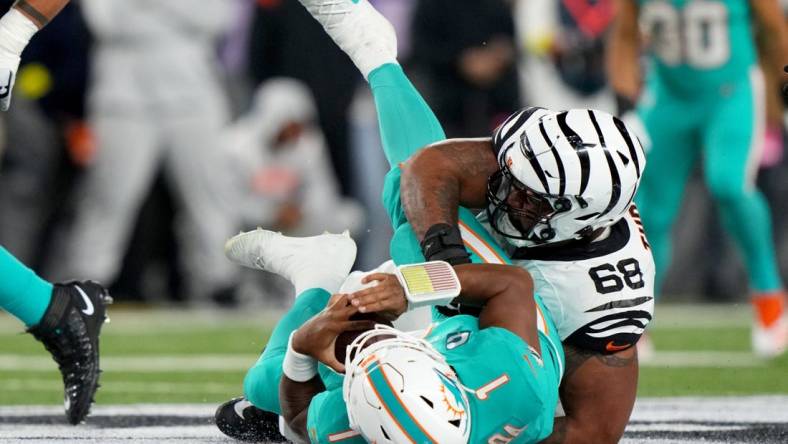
<point>261,384</point>
<point>22,292</point>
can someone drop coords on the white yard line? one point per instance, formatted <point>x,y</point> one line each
<point>651,415</point>
<point>164,434</point>
<point>759,409</point>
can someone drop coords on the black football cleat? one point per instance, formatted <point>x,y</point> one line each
<point>239,419</point>
<point>70,332</point>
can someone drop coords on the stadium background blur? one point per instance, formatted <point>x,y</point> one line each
<point>267,175</point>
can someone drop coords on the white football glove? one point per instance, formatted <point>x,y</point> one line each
<point>8,67</point>
<point>15,31</point>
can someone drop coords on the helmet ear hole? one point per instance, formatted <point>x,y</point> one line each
<point>546,234</point>
<point>427,401</point>
<point>386,435</point>
<point>455,423</point>
<point>562,204</point>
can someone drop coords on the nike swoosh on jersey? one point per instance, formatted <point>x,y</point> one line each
<point>88,304</point>
<point>612,347</point>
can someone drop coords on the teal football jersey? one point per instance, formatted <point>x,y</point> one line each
<point>698,45</point>
<point>514,390</point>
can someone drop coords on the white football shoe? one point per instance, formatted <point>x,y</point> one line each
<point>772,341</point>
<point>322,261</point>
<point>769,341</point>
<point>358,29</point>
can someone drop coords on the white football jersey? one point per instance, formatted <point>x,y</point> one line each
<point>600,294</point>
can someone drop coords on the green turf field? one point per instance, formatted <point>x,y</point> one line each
<point>199,356</point>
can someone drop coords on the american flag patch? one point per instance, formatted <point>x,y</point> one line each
<point>430,278</point>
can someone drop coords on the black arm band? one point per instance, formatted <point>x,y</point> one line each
<point>443,242</point>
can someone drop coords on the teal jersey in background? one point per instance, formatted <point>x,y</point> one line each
<point>698,46</point>
<point>513,391</point>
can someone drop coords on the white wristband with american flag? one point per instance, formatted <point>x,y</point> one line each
<point>429,283</point>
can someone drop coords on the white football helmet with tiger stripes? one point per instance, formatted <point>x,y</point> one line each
<point>562,175</point>
<point>399,389</point>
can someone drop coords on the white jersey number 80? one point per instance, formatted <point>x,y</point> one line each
<point>696,34</point>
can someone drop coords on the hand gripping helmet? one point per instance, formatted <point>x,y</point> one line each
<point>562,175</point>
<point>399,389</point>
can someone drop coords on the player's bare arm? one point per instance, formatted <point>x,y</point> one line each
<point>771,24</point>
<point>595,386</point>
<point>444,176</point>
<point>505,292</point>
<point>623,49</point>
<point>315,339</point>
<point>294,398</point>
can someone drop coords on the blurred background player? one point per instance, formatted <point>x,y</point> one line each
<point>154,99</point>
<point>66,318</point>
<point>704,99</point>
<point>282,179</point>
<point>281,168</point>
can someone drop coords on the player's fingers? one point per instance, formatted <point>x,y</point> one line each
<point>330,360</point>
<point>333,301</point>
<point>371,297</point>
<point>375,306</point>
<point>345,309</point>
<point>335,365</point>
<point>389,287</point>
<point>375,302</point>
<point>364,293</point>
<point>341,309</point>
<point>375,277</point>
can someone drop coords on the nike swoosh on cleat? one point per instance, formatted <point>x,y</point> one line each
<point>88,304</point>
<point>240,406</point>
